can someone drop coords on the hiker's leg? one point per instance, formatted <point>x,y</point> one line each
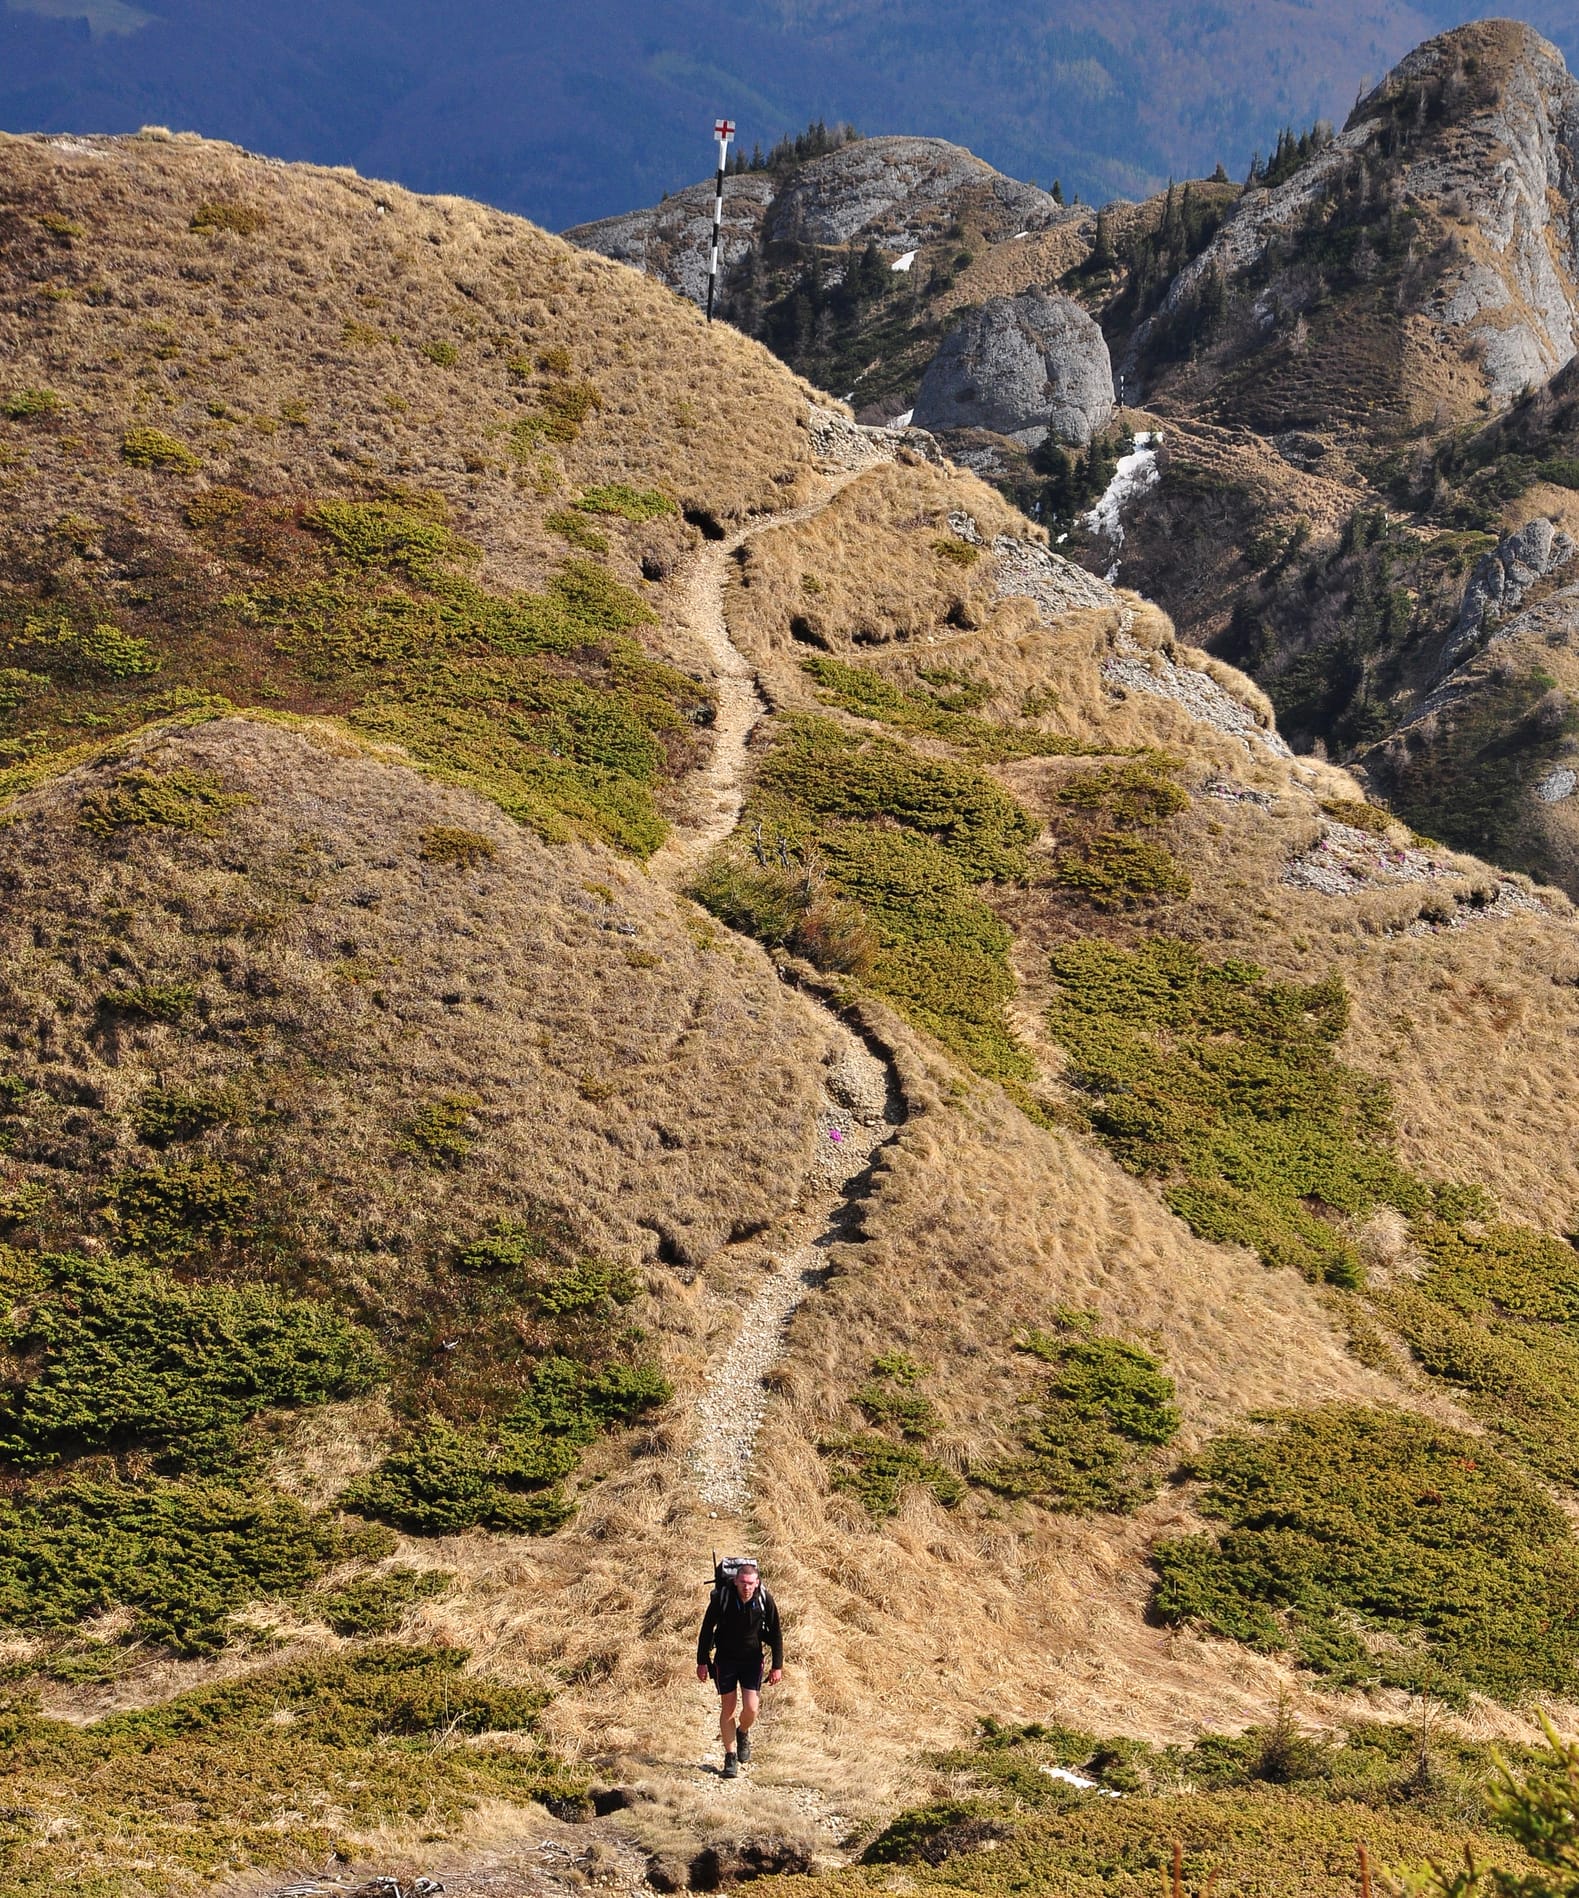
<point>726,1721</point>
<point>749,1702</point>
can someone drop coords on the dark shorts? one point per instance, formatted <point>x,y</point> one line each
<point>738,1670</point>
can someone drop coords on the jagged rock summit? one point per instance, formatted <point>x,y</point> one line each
<point>1027,367</point>
<point>895,192</point>
<point>1474,140</point>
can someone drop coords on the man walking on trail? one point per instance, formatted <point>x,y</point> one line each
<point>741,1617</point>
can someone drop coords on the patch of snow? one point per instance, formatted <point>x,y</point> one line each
<point>1079,1780</point>
<point>1136,472</point>
<point>1560,782</point>
<point>1135,668</point>
<point>903,263</point>
<point>1061,539</point>
<point>1018,235</point>
<point>902,421</point>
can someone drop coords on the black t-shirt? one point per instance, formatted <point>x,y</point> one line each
<point>739,1630</point>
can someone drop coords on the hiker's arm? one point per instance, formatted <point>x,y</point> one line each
<point>775,1634</point>
<point>704,1641</point>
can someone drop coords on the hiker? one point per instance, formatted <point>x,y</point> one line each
<point>741,1616</point>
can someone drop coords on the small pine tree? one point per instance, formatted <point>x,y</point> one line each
<point>1058,191</point>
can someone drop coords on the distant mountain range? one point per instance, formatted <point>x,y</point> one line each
<point>574,113</point>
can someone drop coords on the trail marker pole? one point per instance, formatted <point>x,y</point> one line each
<point>723,131</point>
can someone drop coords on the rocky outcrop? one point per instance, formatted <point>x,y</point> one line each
<point>672,241</point>
<point>898,193</point>
<point>1479,128</point>
<point>1028,367</point>
<point>1499,583</point>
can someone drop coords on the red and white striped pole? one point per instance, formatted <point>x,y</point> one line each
<point>723,131</point>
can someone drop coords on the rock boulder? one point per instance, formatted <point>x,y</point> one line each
<point>1028,367</point>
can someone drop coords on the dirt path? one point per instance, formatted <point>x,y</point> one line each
<point>861,1107</point>
<point>718,790</point>
<point>860,1111</point>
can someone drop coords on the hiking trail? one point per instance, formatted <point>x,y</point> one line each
<point>861,1108</point>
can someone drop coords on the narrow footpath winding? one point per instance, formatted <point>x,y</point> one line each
<point>862,1106</point>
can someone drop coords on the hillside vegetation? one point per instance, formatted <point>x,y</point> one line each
<point>388,1152</point>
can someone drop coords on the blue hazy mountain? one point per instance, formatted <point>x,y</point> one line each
<point>572,111</point>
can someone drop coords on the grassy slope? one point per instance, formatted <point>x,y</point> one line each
<point>293,962</point>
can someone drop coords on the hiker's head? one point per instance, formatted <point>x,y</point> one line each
<point>746,1581</point>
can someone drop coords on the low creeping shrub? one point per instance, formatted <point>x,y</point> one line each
<point>107,1355</point>
<point>1091,1438</point>
<point>867,858</point>
<point>1223,1085</point>
<point>241,220</point>
<point>631,504</point>
<point>1100,855</point>
<point>273,1770</point>
<point>443,1478</point>
<point>184,1555</point>
<point>30,405</point>
<point>945,711</point>
<point>877,1471</point>
<point>167,1213</point>
<point>171,800</point>
<point>153,448</point>
<point>466,849</point>
<point>438,1131</point>
<point>375,1604</point>
<point>1381,1546</point>
<point>151,1001</point>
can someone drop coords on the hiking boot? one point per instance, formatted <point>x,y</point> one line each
<point>743,1747</point>
<point>731,1766</point>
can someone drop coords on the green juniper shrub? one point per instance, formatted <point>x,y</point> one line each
<point>153,448</point>
<point>172,800</point>
<point>151,1001</point>
<point>169,1116</point>
<point>437,1131</point>
<point>904,839</point>
<point>73,654</point>
<point>30,405</point>
<point>444,354</point>
<point>1090,1440</point>
<point>946,709</point>
<point>1223,1084</point>
<point>889,1397</point>
<point>167,1213</point>
<point>877,1471</point>
<point>574,527</point>
<point>959,553</point>
<point>241,220</point>
<point>631,504</point>
<point>1496,1315</point>
<point>932,1835</point>
<point>1345,1523</point>
<point>1101,855</point>
<point>184,1555</point>
<point>375,1604</point>
<point>540,701</point>
<point>271,1770</point>
<point>1358,815</point>
<point>448,843</point>
<point>108,1355</point>
<point>442,1478</point>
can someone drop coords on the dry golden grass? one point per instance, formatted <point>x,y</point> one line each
<point>626,1061</point>
<point>867,570</point>
<point>295,358</point>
